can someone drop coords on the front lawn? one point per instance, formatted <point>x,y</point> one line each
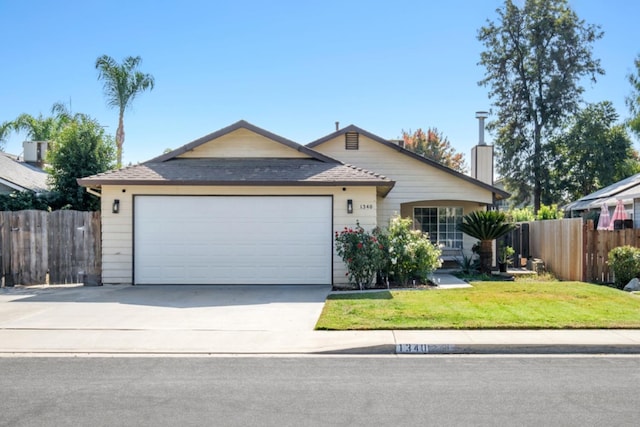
<point>487,305</point>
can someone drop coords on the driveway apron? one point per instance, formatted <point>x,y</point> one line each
<point>166,307</point>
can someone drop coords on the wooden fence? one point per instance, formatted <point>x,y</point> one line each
<point>574,250</point>
<point>58,247</point>
<point>598,243</point>
<point>560,244</point>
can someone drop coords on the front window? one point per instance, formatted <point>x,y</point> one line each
<point>441,224</point>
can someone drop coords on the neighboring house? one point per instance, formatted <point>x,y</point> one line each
<point>507,204</point>
<point>245,206</point>
<point>17,175</point>
<point>626,190</point>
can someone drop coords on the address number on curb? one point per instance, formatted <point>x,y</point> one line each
<point>412,348</point>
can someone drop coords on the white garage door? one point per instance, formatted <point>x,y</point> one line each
<point>232,240</point>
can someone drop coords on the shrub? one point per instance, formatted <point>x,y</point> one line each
<point>397,253</point>
<point>549,212</point>
<point>468,265</point>
<point>409,253</point>
<point>625,263</point>
<point>361,252</point>
<point>524,214</point>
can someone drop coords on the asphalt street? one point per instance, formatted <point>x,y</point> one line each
<point>310,391</point>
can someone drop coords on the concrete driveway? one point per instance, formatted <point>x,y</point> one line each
<point>122,307</point>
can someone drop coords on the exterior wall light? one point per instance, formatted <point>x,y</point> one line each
<point>349,206</point>
<point>115,208</point>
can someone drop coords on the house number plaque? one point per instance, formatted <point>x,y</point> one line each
<point>366,206</point>
<point>412,348</point>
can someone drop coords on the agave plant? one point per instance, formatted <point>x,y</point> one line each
<point>485,226</point>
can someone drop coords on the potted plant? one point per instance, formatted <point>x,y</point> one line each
<point>504,257</point>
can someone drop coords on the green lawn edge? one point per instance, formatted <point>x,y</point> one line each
<point>486,305</point>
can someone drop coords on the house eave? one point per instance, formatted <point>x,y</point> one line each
<point>96,184</point>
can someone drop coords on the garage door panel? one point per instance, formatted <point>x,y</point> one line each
<point>227,240</point>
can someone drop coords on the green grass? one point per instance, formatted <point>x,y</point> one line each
<point>487,305</point>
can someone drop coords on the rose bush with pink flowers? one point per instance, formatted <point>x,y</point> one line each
<point>361,252</point>
<point>397,254</point>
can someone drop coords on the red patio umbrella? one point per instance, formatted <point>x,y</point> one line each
<point>619,213</point>
<point>605,218</point>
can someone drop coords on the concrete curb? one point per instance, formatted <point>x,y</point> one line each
<point>487,349</point>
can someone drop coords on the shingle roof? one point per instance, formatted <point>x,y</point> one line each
<point>21,176</point>
<point>239,171</point>
<point>169,169</point>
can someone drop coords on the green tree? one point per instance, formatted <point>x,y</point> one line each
<point>81,149</point>
<point>593,152</point>
<point>122,83</point>
<point>23,200</point>
<point>42,128</point>
<point>436,146</point>
<point>633,100</point>
<point>5,129</point>
<point>485,226</point>
<point>535,59</point>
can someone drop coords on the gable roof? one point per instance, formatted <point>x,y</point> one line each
<point>352,128</point>
<point>21,176</point>
<point>314,170</point>
<point>241,124</point>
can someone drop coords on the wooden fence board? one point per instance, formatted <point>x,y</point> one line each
<point>574,250</point>
<point>598,245</point>
<point>63,244</point>
<point>559,243</point>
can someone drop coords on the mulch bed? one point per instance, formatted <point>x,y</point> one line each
<point>380,286</point>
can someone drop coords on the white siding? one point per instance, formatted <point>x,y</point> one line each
<point>482,163</point>
<point>414,179</point>
<point>417,184</point>
<point>243,143</point>
<point>117,229</point>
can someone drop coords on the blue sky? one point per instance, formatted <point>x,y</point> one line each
<point>291,67</point>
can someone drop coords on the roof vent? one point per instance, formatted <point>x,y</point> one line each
<point>351,140</point>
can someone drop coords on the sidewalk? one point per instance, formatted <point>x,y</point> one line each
<point>127,320</point>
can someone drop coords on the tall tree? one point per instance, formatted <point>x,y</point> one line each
<point>436,146</point>
<point>5,129</point>
<point>594,151</point>
<point>42,128</point>
<point>81,149</point>
<point>535,59</point>
<point>122,83</point>
<point>633,100</point>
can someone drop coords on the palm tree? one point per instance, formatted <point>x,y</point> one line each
<point>41,128</point>
<point>485,226</point>
<point>5,128</point>
<point>122,83</point>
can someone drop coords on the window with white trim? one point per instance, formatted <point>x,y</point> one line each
<point>441,224</point>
